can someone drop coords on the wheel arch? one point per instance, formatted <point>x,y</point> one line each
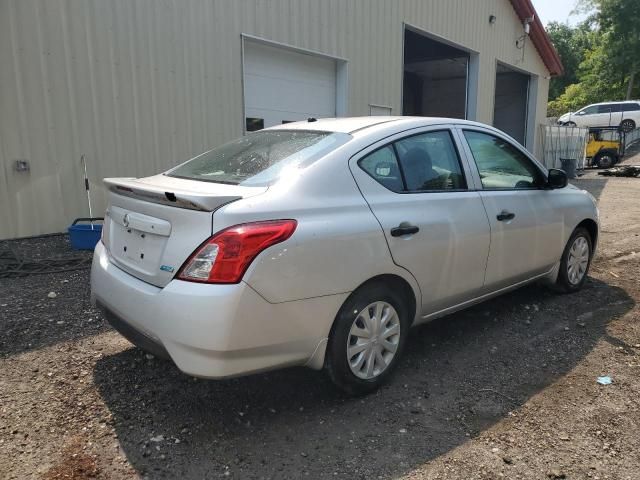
<point>408,289</point>
<point>401,285</point>
<point>605,150</point>
<point>392,281</point>
<point>592,227</point>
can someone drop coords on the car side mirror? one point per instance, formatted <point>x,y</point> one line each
<point>557,178</point>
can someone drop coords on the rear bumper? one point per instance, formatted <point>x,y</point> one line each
<point>136,337</point>
<point>213,331</point>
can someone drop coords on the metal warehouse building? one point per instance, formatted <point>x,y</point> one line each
<point>140,85</point>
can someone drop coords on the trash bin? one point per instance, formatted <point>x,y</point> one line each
<point>569,165</point>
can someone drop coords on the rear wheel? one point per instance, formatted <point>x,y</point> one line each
<point>627,125</point>
<point>605,159</point>
<point>367,339</point>
<point>575,261</point>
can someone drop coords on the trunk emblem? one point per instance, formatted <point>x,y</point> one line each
<point>166,268</point>
<point>125,220</point>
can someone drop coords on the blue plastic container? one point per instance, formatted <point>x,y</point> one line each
<point>82,235</point>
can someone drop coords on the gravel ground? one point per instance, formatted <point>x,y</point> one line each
<point>506,389</point>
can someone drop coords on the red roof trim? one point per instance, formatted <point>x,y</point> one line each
<point>539,37</point>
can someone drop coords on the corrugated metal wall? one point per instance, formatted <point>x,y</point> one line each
<point>139,85</point>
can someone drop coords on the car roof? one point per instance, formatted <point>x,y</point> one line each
<point>355,124</point>
<point>613,102</point>
<point>342,125</point>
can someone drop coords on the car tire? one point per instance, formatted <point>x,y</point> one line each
<point>605,159</point>
<point>575,262</point>
<point>627,125</point>
<point>354,341</point>
<point>570,124</point>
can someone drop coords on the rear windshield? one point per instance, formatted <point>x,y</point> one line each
<point>260,158</point>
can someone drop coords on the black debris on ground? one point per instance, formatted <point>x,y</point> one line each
<point>622,171</point>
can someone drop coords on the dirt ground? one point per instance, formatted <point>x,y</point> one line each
<point>504,390</point>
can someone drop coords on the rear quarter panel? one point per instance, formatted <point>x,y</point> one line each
<point>338,243</point>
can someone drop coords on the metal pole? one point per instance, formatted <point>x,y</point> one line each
<point>86,187</point>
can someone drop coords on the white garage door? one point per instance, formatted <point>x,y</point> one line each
<point>283,86</point>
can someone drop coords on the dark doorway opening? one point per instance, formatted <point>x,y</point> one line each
<point>511,100</point>
<point>436,77</point>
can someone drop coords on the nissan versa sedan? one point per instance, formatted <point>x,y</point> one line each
<point>321,243</point>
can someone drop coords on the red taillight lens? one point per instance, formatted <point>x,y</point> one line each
<point>226,256</point>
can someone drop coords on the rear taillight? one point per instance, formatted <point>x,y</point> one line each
<point>226,256</point>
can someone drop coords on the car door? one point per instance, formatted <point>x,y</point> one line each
<point>631,110</point>
<point>526,230</point>
<point>416,185</point>
<point>587,117</point>
<point>602,117</point>
<point>615,114</point>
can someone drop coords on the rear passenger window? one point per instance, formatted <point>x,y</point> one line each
<point>421,163</point>
<point>430,161</point>
<point>631,107</point>
<point>382,165</point>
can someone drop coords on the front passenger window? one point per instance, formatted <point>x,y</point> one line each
<point>501,165</point>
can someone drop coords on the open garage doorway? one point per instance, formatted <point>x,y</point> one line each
<point>510,109</point>
<point>436,77</point>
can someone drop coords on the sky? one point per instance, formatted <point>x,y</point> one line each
<point>557,10</point>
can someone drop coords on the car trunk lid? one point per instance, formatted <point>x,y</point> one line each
<point>154,224</point>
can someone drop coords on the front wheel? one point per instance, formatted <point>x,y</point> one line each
<point>575,261</point>
<point>569,124</point>
<point>367,339</point>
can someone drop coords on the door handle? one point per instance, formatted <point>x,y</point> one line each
<point>405,228</point>
<point>504,215</point>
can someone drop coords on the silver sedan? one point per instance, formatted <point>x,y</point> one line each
<point>321,243</point>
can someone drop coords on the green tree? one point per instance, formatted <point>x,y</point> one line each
<point>572,44</point>
<point>620,21</point>
<point>601,56</point>
<point>595,81</point>
<point>573,98</point>
<point>600,76</point>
